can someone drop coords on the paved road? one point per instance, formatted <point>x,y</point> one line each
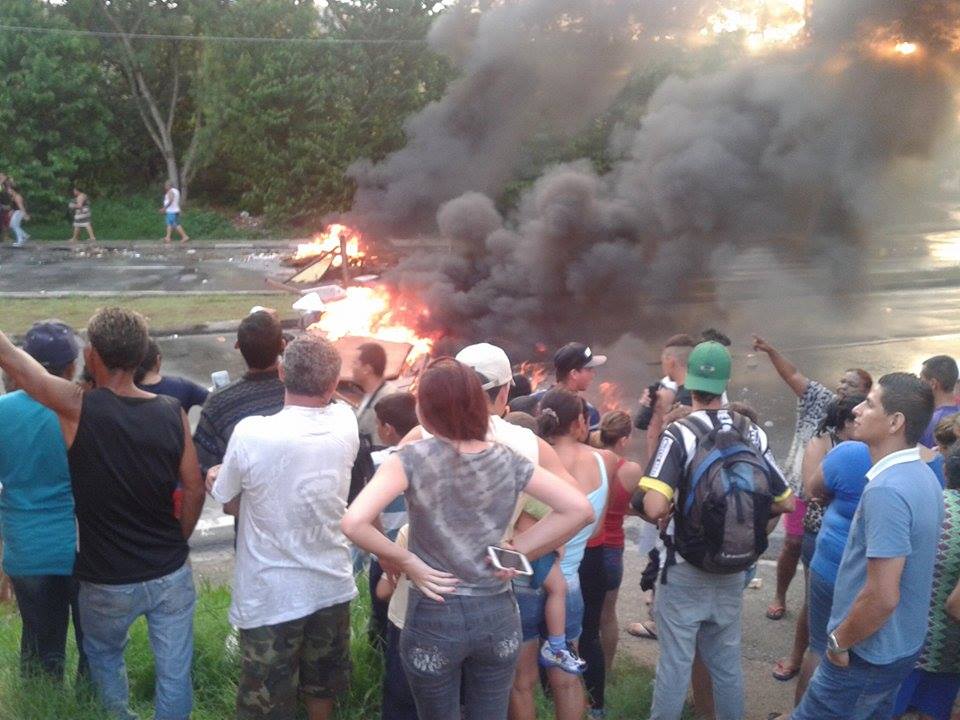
<point>906,309</point>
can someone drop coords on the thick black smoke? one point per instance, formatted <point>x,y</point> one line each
<point>535,65</point>
<point>792,153</point>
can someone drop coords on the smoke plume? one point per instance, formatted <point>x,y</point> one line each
<point>791,152</point>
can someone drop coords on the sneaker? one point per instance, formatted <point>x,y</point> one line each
<point>596,713</point>
<point>563,659</point>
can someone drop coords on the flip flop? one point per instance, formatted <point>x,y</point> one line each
<point>776,612</point>
<point>640,630</point>
<point>779,674</point>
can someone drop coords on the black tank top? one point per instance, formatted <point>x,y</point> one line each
<point>125,465</point>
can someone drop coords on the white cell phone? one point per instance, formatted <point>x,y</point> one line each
<point>503,559</point>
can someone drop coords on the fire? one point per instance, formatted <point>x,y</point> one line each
<point>765,24</point>
<point>328,242</point>
<point>905,48</point>
<point>536,371</point>
<point>373,312</point>
<point>611,397</point>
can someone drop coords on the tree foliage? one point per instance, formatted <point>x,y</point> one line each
<point>56,124</point>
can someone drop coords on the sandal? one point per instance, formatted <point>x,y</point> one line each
<point>783,675</point>
<point>641,630</point>
<point>776,612</point>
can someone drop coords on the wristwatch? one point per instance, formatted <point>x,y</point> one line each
<point>833,647</point>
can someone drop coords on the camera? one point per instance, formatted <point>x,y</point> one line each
<point>646,412</point>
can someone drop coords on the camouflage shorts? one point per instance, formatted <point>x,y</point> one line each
<point>310,654</point>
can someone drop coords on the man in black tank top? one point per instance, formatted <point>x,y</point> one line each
<point>127,450</point>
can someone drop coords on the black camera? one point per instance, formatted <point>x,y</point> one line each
<point>646,412</point>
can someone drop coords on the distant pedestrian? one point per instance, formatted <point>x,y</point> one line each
<point>82,217</point>
<point>6,208</point>
<point>19,215</point>
<point>171,208</point>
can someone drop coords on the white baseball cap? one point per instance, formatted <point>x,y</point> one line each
<point>489,361</point>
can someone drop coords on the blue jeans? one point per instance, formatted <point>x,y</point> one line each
<point>473,638</point>
<point>532,603</point>
<point>862,691</point>
<point>397,702</point>
<point>108,611</point>
<point>45,603</point>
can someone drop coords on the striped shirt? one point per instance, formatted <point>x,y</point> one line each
<point>259,392</point>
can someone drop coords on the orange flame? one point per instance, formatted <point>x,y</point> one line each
<point>373,312</point>
<point>611,397</point>
<point>328,242</point>
<point>536,371</point>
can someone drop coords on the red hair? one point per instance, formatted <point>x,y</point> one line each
<point>451,402</point>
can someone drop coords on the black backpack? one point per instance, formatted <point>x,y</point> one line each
<point>722,511</point>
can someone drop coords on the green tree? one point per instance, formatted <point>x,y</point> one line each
<point>56,125</point>
<point>159,73</point>
<point>292,115</point>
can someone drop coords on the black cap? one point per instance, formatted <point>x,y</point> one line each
<point>53,344</point>
<point>576,356</point>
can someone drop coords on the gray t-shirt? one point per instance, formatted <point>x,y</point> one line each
<point>459,504</point>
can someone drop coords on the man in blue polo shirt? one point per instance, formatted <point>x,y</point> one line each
<point>880,602</point>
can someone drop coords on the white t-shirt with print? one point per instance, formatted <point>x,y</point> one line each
<point>292,472</point>
<point>171,201</point>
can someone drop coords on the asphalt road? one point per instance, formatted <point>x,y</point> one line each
<point>906,308</point>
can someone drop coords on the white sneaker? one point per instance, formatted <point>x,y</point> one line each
<point>563,659</point>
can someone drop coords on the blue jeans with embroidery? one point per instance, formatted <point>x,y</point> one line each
<point>108,611</point>
<point>476,638</point>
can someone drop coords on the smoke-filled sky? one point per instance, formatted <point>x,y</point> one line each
<point>793,152</point>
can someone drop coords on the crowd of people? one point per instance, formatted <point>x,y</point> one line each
<point>13,213</point>
<point>489,515</point>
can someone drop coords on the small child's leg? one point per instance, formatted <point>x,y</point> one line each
<point>555,609</point>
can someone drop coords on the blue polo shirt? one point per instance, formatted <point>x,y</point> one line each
<point>899,515</point>
<point>36,505</point>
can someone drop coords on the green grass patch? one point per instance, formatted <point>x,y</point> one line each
<point>138,217</point>
<point>163,312</point>
<point>216,669</point>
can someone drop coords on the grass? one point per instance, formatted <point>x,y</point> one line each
<point>164,312</point>
<point>137,217</point>
<point>215,673</point>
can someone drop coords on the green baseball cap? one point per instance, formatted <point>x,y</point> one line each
<point>708,369</point>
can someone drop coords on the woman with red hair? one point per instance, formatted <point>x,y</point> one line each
<point>461,491</point>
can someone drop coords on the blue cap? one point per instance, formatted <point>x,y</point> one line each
<point>53,344</point>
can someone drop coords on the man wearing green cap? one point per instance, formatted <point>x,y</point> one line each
<point>697,609</point>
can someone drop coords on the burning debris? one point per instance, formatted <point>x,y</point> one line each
<point>796,152</point>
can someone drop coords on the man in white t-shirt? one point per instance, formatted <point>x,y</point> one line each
<point>171,209</point>
<point>293,578</point>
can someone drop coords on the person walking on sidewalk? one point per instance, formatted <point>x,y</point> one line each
<point>82,217</point>
<point>20,214</point>
<point>171,209</point>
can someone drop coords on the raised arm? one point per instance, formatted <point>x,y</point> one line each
<point>785,369</point>
<point>571,511</point>
<point>191,481</point>
<point>62,396</point>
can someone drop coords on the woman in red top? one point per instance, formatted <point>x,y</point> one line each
<point>602,568</point>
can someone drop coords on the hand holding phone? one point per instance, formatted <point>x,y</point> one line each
<point>510,561</point>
